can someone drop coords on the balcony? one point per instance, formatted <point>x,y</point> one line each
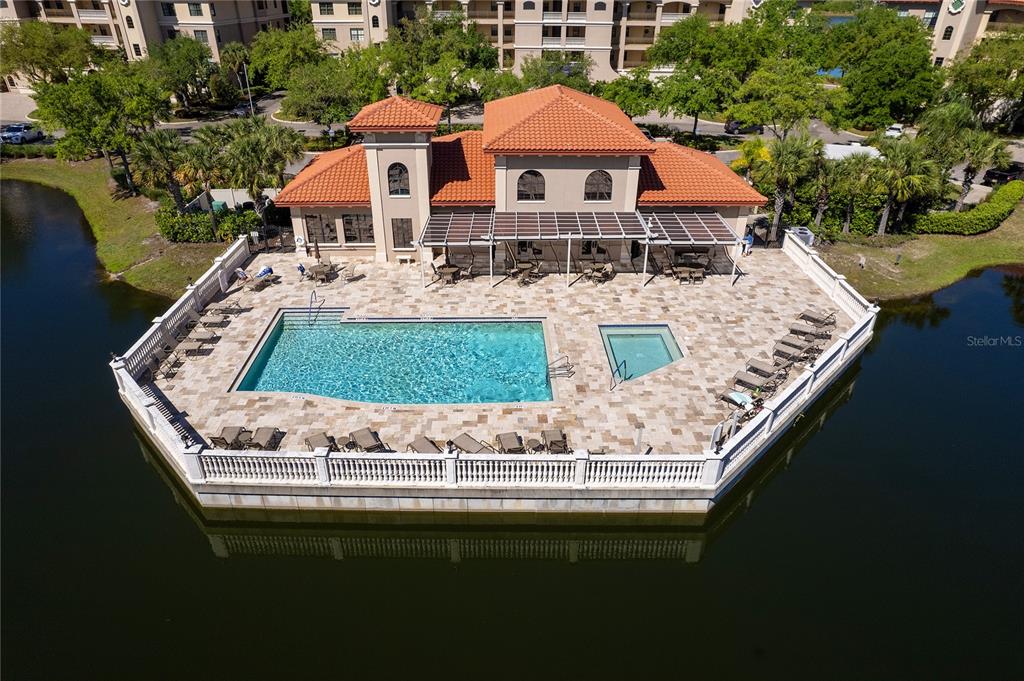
<point>552,16</point>
<point>576,40</point>
<point>104,40</point>
<point>443,13</point>
<point>87,15</point>
<point>577,16</point>
<point>672,17</point>
<point>483,14</point>
<point>551,41</point>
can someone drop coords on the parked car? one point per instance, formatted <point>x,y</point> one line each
<point>21,133</point>
<point>994,176</point>
<point>647,134</point>
<point>894,130</point>
<point>737,128</point>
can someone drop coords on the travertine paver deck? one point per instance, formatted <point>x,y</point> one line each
<point>717,325</point>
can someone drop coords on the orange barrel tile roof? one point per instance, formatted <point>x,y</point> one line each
<point>681,176</point>
<point>461,174</point>
<point>560,120</point>
<point>397,114</point>
<point>334,178</point>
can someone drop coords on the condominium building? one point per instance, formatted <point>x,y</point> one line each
<point>958,24</point>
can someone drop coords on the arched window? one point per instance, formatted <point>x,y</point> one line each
<point>598,187</point>
<point>531,186</point>
<point>398,180</point>
<point>600,6</point>
<point>529,4</point>
<point>130,22</point>
<point>947,33</point>
<point>375,22</point>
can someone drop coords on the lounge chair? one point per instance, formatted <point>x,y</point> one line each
<point>423,445</point>
<point>754,382</point>
<point>266,439</point>
<point>802,329</point>
<point>768,369</point>
<point>232,437</point>
<point>790,353</point>
<point>470,445</point>
<point>510,443</point>
<point>320,440</point>
<point>740,400</point>
<point>158,369</point>
<point>805,346</point>
<point>818,318</point>
<point>190,347</point>
<point>229,308</point>
<point>555,441</point>
<point>366,440</point>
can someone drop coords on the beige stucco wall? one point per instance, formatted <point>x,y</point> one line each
<point>413,151</point>
<point>299,221</point>
<point>564,180</point>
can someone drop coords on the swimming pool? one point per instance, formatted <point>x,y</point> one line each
<point>404,362</point>
<point>640,349</point>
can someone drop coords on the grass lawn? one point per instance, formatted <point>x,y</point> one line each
<point>929,262</point>
<point>127,241</point>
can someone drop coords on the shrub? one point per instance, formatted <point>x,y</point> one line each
<point>223,88</point>
<point>28,151</point>
<point>184,227</point>
<point>325,143</point>
<point>442,128</point>
<point>231,225</point>
<point>984,217</point>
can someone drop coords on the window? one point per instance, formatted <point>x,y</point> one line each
<point>326,9</point>
<point>375,22</point>
<point>129,22</point>
<point>355,9</point>
<point>600,6</point>
<point>213,10</point>
<point>598,187</point>
<point>330,33</point>
<point>508,31</point>
<point>531,186</point>
<point>903,13</point>
<point>167,8</point>
<point>398,180</point>
<point>201,36</point>
<point>3,4</point>
<point>529,5</point>
<point>321,229</point>
<point>930,18</point>
<point>401,229</point>
<point>195,9</point>
<point>938,61</point>
<point>136,49</point>
<point>355,35</point>
<point>947,33</point>
<point>494,31</point>
<point>358,228</point>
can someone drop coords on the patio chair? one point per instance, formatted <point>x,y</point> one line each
<point>769,369</point>
<point>697,275</point>
<point>802,329</point>
<point>754,382</point>
<point>201,335</point>
<point>790,353</point>
<point>190,347</point>
<point>365,440</point>
<point>510,443</point>
<point>818,318</point>
<point>605,273</point>
<point>157,369</point>
<point>227,309</point>
<point>320,440</point>
<point>740,400</point>
<point>470,445</point>
<point>555,441</point>
<point>232,437</point>
<point>266,439</point>
<point>805,346</point>
<point>423,445</point>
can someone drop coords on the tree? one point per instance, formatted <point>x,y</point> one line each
<point>791,160</point>
<point>782,94</point>
<point>202,166</point>
<point>753,155</point>
<point>367,78</point>
<point>46,52</point>
<point>824,183</point>
<point>693,90</point>
<point>157,156</point>
<point>332,90</point>
<point>445,83</point>
<point>300,12</point>
<point>182,65</point>
<point>942,129</point>
<point>233,57</point>
<point>275,53</point>
<point>887,67</point>
<point>633,92</point>
<point>557,68</point>
<point>853,177</point>
<point>980,150</point>
<point>904,173</point>
<point>256,154</point>
<point>683,41</point>
<point>991,79</point>
<point>493,85</point>
<point>222,87</point>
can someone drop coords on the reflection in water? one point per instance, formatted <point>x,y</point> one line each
<point>1013,285</point>
<point>249,533</point>
<point>919,312</point>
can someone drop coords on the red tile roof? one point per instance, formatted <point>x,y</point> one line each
<point>397,114</point>
<point>461,174</point>
<point>559,120</point>
<point>680,176</point>
<point>334,178</point>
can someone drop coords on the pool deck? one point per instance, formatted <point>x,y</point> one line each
<point>717,326</point>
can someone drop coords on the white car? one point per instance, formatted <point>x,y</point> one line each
<point>894,130</point>
<point>21,133</point>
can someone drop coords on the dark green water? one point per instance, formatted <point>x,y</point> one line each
<point>884,545</point>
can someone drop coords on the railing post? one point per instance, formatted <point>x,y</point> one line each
<point>810,383</point>
<point>117,366</point>
<point>712,471</point>
<point>222,277</point>
<point>148,402</point>
<point>582,457</point>
<point>450,474</point>
<point>835,284</point>
<point>770,422</point>
<point>193,466</point>
<point>323,475</point>
<point>165,339</point>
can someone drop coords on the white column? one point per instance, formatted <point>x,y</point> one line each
<point>643,279</point>
<point>320,459</point>
<point>490,258</point>
<point>568,260</point>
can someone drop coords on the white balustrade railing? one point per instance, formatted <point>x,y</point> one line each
<point>633,471</point>
<point>257,467</point>
<point>400,469</point>
<point>515,470</point>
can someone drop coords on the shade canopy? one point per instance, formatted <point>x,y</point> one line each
<point>487,227</point>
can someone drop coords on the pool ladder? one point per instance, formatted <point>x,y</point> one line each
<point>561,368</point>
<point>314,298</point>
<point>620,371</point>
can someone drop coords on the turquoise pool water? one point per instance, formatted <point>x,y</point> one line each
<point>405,362</point>
<point>643,348</point>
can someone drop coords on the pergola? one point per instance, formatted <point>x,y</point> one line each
<point>487,228</point>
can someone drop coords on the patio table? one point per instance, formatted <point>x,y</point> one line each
<point>448,273</point>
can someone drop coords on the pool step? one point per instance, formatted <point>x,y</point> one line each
<point>317,319</point>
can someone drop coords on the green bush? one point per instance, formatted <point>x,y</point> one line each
<point>184,227</point>
<point>28,151</point>
<point>442,128</point>
<point>325,143</point>
<point>231,225</point>
<point>984,217</point>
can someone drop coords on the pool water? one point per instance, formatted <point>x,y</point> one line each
<point>436,362</point>
<point>642,348</point>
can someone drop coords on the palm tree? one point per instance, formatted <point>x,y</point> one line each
<point>753,155</point>
<point>202,165</point>
<point>905,172</point>
<point>232,57</point>
<point>256,155</point>
<point>980,149</point>
<point>825,179</point>
<point>792,159</point>
<point>853,176</point>
<point>156,158</point>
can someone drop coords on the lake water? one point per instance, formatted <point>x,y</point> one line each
<point>881,540</point>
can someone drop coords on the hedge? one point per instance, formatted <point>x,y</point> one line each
<point>28,150</point>
<point>231,225</point>
<point>984,217</point>
<point>187,227</point>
